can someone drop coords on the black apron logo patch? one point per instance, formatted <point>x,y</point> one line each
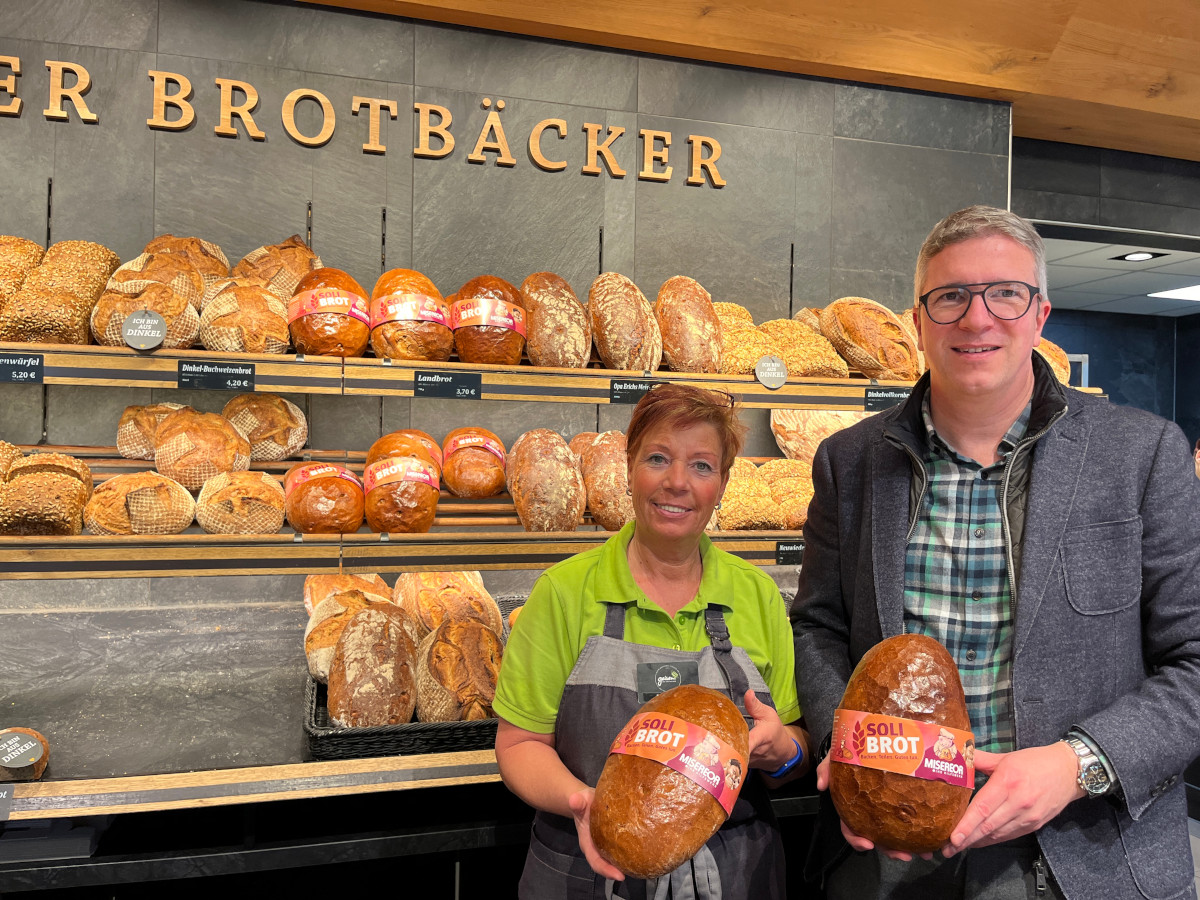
<point>653,678</point>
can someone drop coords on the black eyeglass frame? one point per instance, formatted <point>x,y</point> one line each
<point>1034,291</point>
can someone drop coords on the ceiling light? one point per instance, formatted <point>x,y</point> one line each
<point>1186,293</point>
<point>1137,256</point>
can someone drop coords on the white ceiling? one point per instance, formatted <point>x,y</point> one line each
<point>1084,275</point>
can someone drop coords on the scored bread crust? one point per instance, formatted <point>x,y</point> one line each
<point>371,678</point>
<point>431,598</point>
<point>605,465</point>
<point>691,332</point>
<point>139,503</point>
<point>559,327</point>
<point>871,338</point>
<point>626,333</point>
<point>457,667</point>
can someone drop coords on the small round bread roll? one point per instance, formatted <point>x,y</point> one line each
<point>323,498</point>
<point>402,494</point>
<point>242,315</point>
<point>473,463</point>
<point>136,428</point>
<point>489,322</point>
<point>139,503</point>
<point>241,503</point>
<point>329,315</point>
<point>275,427</point>
<point>280,265</point>
<point>192,447</point>
<point>409,318</point>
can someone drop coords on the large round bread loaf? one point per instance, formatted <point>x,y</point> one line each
<point>409,318</point>
<point>209,260</point>
<point>457,667</point>
<point>329,314</point>
<point>431,598</point>
<point>139,503</point>
<point>545,482</point>
<point>559,331</point>
<point>691,334</point>
<point>605,464</point>
<point>473,463</point>
<point>191,447</point>
<point>166,283</point>
<point>871,339</point>
<point>323,498</point>
<point>623,324</point>
<point>489,322</point>
<point>241,503</point>
<point>371,678</point>
<point>909,676</point>
<point>243,315</point>
<point>402,494</point>
<point>136,428</point>
<point>275,427</point>
<point>646,818</point>
<point>280,265</point>
<point>401,443</point>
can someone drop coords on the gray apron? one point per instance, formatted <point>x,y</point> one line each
<point>743,860</point>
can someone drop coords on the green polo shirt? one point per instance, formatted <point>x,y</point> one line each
<point>567,606</point>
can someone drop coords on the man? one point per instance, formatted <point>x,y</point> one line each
<point>1051,541</point>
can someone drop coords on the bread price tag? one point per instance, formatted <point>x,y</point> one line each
<point>409,308</point>
<point>21,368</point>
<point>6,798</point>
<point>920,749</point>
<point>487,311</point>
<point>298,476</point>
<point>329,300</point>
<point>877,399</point>
<point>399,468</point>
<point>215,376</point>
<point>459,385</point>
<point>688,749</point>
<point>475,440</point>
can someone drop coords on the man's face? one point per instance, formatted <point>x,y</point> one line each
<point>981,356</point>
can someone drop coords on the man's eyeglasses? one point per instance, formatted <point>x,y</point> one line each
<point>1003,299</point>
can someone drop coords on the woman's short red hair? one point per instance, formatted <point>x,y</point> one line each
<point>681,406</point>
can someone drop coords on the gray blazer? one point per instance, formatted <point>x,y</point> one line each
<point>1107,635</point>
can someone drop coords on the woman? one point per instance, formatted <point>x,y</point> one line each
<point>652,594</point>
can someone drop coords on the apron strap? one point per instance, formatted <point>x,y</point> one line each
<point>718,633</point>
<point>614,621</point>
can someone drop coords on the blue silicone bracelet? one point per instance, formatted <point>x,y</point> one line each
<point>787,766</point>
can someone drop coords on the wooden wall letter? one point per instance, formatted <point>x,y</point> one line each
<point>9,86</point>
<point>594,150</point>
<point>374,105</point>
<point>652,154</point>
<point>179,100</point>
<point>498,144</point>
<point>328,123</point>
<point>426,128</point>
<point>535,144</point>
<point>707,163</point>
<point>243,111</point>
<point>58,93</point>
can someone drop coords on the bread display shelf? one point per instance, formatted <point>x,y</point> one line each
<point>145,793</point>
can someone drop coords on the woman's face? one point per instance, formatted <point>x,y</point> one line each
<point>676,480</point>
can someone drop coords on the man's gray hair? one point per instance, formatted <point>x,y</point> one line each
<point>977,221</point>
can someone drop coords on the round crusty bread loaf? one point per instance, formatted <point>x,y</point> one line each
<point>623,325</point>
<point>489,322</point>
<point>137,426</point>
<point>402,494</point>
<point>559,330</point>
<point>32,772</point>
<point>401,443</point>
<point>809,316</point>
<point>409,318</point>
<point>691,332</point>
<point>647,818</point>
<point>457,666</point>
<point>280,265</point>
<point>371,677</point>
<point>275,427</point>
<point>473,463</point>
<point>323,498</point>
<point>192,447</point>
<point>799,432</point>
<point>166,283</point>
<point>329,315</point>
<point>871,339</point>
<point>545,482</point>
<point>208,259</point>
<point>241,503</point>
<point>431,598</point>
<point>242,315</point>
<point>139,503</point>
<point>605,465</point>
<point>1057,357</point>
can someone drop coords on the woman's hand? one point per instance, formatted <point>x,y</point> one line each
<point>581,809</point>
<point>771,742</point>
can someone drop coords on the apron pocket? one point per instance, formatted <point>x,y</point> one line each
<point>552,874</point>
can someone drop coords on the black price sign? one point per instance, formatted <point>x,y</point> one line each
<point>771,372</point>
<point>144,329</point>
<point>456,385</point>
<point>216,376</point>
<point>21,368</point>
<point>789,553</point>
<point>6,798</point>
<point>877,399</point>
<point>628,390</point>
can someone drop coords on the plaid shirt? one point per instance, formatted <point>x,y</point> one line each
<point>956,585</point>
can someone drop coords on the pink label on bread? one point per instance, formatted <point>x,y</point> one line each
<point>891,744</point>
<point>297,477</point>
<point>475,440</point>
<point>488,311</point>
<point>409,308</point>
<point>689,749</point>
<point>329,300</point>
<point>399,468</point>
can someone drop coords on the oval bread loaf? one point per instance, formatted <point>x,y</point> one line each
<point>136,428</point>
<point>623,324</point>
<point>371,677</point>
<point>559,331</point>
<point>871,339</point>
<point>691,333</point>
<point>431,598</point>
<point>318,587</point>
<point>545,482</point>
<point>605,464</point>
<point>275,427</point>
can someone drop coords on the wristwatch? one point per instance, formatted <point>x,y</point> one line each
<point>1093,776</point>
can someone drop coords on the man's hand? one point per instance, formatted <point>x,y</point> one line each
<point>1025,790</point>
<point>857,841</point>
<point>581,809</point>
